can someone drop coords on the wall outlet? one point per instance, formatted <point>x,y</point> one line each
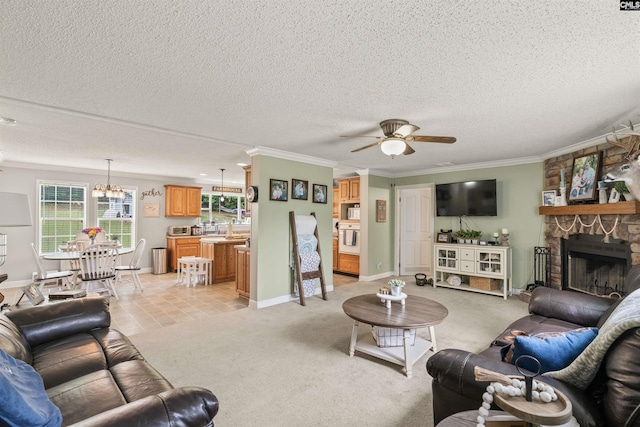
<point>379,265</point>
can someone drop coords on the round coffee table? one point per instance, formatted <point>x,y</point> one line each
<point>417,312</point>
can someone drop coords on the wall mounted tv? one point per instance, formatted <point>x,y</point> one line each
<point>471,198</point>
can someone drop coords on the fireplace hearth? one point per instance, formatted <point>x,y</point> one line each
<point>593,266</point>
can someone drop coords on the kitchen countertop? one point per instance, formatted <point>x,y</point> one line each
<point>222,239</point>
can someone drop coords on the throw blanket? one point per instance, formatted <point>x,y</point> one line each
<point>309,261</point>
<point>583,369</point>
<point>305,224</point>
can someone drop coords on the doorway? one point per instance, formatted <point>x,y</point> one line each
<point>414,229</point>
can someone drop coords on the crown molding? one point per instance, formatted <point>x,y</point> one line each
<point>271,152</point>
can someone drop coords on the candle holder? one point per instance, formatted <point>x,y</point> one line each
<point>505,239</point>
<point>496,240</point>
<point>563,196</point>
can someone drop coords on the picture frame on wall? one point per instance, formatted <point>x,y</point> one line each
<point>443,238</point>
<point>585,175</point>
<point>549,198</point>
<point>319,193</point>
<point>279,190</point>
<point>299,189</point>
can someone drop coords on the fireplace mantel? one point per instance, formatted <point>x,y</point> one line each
<point>625,208</point>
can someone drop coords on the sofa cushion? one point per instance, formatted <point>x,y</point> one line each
<point>138,379</point>
<point>554,351</point>
<point>24,400</point>
<point>86,396</point>
<point>13,342</point>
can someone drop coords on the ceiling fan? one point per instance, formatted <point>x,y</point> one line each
<point>397,135</point>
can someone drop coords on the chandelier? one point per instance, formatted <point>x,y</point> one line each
<point>108,190</point>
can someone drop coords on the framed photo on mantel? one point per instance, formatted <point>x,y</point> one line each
<point>584,176</point>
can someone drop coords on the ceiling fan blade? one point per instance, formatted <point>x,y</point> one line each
<point>366,146</point>
<point>360,136</point>
<point>408,150</point>
<point>441,139</point>
<point>405,130</point>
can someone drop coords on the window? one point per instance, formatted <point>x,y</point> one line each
<point>117,217</point>
<point>62,213</point>
<point>231,209</point>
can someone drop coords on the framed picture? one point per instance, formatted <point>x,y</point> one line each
<point>584,176</point>
<point>299,189</point>
<point>33,293</point>
<point>279,190</point>
<point>319,193</point>
<point>549,198</point>
<point>444,238</point>
<point>151,209</point>
<point>381,210</point>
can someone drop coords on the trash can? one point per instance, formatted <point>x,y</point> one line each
<point>159,260</point>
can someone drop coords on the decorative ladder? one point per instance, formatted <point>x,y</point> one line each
<point>317,274</point>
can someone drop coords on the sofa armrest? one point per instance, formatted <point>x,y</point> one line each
<point>453,371</point>
<point>53,321</point>
<point>575,307</point>
<point>180,407</point>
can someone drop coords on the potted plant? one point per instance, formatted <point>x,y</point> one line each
<point>622,189</point>
<point>475,236</point>
<point>396,287</point>
<point>461,235</point>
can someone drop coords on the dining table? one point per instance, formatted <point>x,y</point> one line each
<point>74,256</point>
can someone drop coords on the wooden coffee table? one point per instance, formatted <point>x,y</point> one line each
<point>417,312</point>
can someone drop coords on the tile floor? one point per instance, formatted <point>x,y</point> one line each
<point>164,303</point>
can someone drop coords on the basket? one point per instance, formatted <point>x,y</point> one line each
<point>391,337</point>
<point>421,279</point>
<point>484,283</point>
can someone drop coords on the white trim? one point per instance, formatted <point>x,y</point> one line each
<point>375,276</point>
<point>271,152</point>
<point>283,299</point>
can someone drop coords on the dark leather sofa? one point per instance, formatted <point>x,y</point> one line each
<point>93,373</point>
<point>613,397</point>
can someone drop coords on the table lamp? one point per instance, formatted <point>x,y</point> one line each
<point>14,212</point>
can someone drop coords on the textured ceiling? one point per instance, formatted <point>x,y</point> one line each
<point>178,88</point>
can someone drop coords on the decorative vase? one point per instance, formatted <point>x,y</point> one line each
<point>396,291</point>
<point>92,240</point>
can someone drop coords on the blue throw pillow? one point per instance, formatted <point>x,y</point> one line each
<point>554,351</point>
<point>24,399</point>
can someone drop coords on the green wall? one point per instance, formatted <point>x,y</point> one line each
<point>270,220</point>
<point>380,234</point>
<point>519,191</point>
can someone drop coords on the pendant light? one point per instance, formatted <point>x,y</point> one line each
<point>108,190</point>
<point>222,187</point>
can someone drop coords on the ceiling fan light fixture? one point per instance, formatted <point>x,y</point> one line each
<point>393,146</point>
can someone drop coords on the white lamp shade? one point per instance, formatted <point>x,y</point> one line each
<point>14,210</point>
<point>393,146</point>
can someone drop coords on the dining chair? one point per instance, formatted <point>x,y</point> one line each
<point>42,277</point>
<point>133,267</point>
<point>97,268</point>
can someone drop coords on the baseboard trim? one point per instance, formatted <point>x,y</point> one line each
<point>283,299</point>
<point>375,277</point>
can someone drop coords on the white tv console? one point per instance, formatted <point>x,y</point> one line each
<point>492,262</point>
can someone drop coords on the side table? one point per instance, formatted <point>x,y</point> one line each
<point>469,419</point>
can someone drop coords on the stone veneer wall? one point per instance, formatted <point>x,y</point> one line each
<point>628,227</point>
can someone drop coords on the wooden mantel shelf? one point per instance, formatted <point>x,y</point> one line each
<point>625,208</point>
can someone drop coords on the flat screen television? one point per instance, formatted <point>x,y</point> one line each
<point>471,198</point>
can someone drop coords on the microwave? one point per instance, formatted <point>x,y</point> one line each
<point>353,213</point>
<point>179,230</point>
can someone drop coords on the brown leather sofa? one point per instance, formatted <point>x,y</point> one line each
<point>93,373</point>
<point>613,397</point>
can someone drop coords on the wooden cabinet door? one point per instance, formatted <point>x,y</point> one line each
<point>343,190</point>
<point>189,249</point>
<point>335,255</point>
<point>354,190</point>
<point>175,201</point>
<point>206,250</point>
<point>194,200</point>
<point>243,259</point>
<point>219,262</point>
<point>336,202</point>
<point>231,261</point>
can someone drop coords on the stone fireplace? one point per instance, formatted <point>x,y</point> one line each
<point>598,271</point>
<point>591,265</point>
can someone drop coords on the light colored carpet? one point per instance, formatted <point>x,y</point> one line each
<point>288,365</point>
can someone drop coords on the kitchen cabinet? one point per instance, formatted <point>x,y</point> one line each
<point>247,183</point>
<point>224,261</point>
<point>336,202</point>
<point>243,266</point>
<point>349,190</point>
<point>181,201</point>
<point>349,263</point>
<point>335,254</point>
<point>493,262</point>
<point>177,247</point>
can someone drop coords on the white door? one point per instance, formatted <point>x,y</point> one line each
<point>415,230</point>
